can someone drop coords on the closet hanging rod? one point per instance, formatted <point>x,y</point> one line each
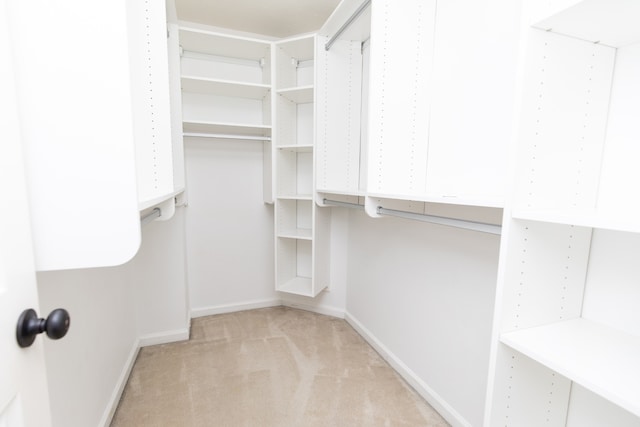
<point>342,204</point>
<point>227,136</point>
<point>155,213</point>
<point>346,25</point>
<point>442,220</point>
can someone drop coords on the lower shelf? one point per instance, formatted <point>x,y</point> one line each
<point>599,358</point>
<point>298,286</point>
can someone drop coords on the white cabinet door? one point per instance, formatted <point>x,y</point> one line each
<point>24,399</point>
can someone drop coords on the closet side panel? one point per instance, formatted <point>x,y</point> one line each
<point>399,94</point>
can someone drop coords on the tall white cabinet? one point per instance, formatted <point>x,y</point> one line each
<point>567,341</point>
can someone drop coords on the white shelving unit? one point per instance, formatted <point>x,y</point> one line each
<point>301,226</point>
<point>567,340</point>
<point>226,84</point>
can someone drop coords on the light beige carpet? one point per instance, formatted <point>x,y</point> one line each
<point>269,367</point>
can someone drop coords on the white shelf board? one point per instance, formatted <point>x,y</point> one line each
<point>294,197</point>
<point>226,128</point>
<point>211,43</point>
<point>224,87</point>
<point>299,95</point>
<point>488,202</point>
<point>618,220</point>
<point>298,233</point>
<point>609,22</point>
<point>599,358</point>
<point>296,148</point>
<point>328,192</point>
<point>146,204</point>
<point>298,286</point>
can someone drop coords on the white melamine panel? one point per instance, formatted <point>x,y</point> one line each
<point>175,104</point>
<point>612,294</point>
<point>618,195</point>
<point>475,63</point>
<point>606,219</point>
<point>294,218</point>
<point>305,73</point>
<point>338,115</point>
<point>304,125</point>
<point>286,123</point>
<point>148,56</point>
<point>221,68</point>
<point>198,107</point>
<point>226,128</point>
<point>293,266</point>
<point>402,38</point>
<point>321,249</point>
<point>289,53</point>
<point>77,128</point>
<point>295,173</point>
<point>586,409</point>
<point>544,281</point>
<point>238,89</point>
<point>610,22</point>
<point>527,394</point>
<point>212,43</point>
<point>566,99</point>
<point>298,95</point>
<point>599,358</point>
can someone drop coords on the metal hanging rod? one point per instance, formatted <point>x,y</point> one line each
<point>155,213</point>
<point>342,204</point>
<point>227,136</point>
<point>346,25</point>
<point>442,220</point>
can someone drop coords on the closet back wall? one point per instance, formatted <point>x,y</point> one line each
<point>229,227</point>
<point>426,293</point>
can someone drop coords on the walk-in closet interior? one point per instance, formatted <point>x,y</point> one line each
<point>456,179</point>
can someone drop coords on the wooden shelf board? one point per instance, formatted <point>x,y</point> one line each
<point>298,286</point>
<point>299,95</point>
<point>226,128</point>
<point>211,43</point>
<point>296,148</point>
<point>297,233</point>
<point>614,220</point>
<point>224,87</point>
<point>609,22</point>
<point>599,358</point>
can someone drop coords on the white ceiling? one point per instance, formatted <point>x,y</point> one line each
<point>276,18</point>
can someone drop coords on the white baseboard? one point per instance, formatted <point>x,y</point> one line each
<point>320,309</point>
<point>112,405</point>
<point>164,337</point>
<point>230,308</point>
<point>452,416</point>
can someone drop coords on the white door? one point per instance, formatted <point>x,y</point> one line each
<point>24,399</point>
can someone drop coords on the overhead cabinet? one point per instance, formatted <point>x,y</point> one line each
<point>96,121</point>
<point>567,341</point>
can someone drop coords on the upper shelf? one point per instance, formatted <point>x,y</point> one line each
<point>599,358</point>
<point>211,43</point>
<point>224,87</point>
<point>299,95</point>
<point>225,128</point>
<point>609,22</point>
<point>618,221</point>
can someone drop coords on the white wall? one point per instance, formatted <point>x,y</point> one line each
<point>425,293</point>
<point>110,309</point>
<point>229,227</point>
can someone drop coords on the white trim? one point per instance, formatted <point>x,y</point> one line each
<point>112,405</point>
<point>164,337</point>
<point>231,308</point>
<point>433,398</point>
<point>320,309</point>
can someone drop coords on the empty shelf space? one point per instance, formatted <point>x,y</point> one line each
<point>298,286</point>
<point>297,233</point>
<point>224,87</point>
<point>225,128</point>
<point>612,220</point>
<point>601,359</point>
<point>211,43</point>
<point>298,95</point>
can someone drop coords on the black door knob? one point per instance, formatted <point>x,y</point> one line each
<point>55,325</point>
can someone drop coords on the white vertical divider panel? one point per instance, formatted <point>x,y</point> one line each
<point>473,97</point>
<point>338,95</point>
<point>148,56</point>
<point>74,86</point>
<point>402,36</point>
<point>321,249</point>
<point>620,170</point>
<point>566,100</point>
<point>175,96</point>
